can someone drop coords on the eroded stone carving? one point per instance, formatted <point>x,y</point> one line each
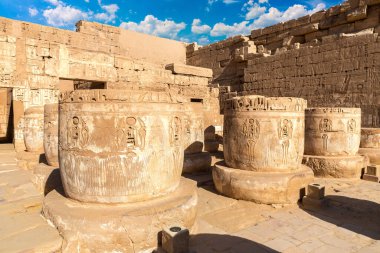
<point>34,129</point>
<point>263,144</point>
<point>120,146</point>
<point>51,134</point>
<point>332,142</point>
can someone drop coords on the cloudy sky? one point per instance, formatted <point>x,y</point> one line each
<point>203,21</point>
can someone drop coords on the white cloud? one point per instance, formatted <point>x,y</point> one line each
<point>203,41</point>
<point>230,1</point>
<point>54,2</point>
<point>254,11</point>
<point>263,1</point>
<point>221,29</point>
<point>274,16</point>
<point>87,1</point>
<point>109,15</point>
<point>197,28</point>
<point>33,12</point>
<point>63,15</point>
<point>152,25</point>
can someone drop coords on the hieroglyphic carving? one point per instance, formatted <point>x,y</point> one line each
<point>285,132</point>
<point>325,125</point>
<point>77,133</point>
<point>251,131</point>
<point>175,131</point>
<point>130,132</point>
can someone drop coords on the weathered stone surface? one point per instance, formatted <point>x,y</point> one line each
<point>332,131</point>
<point>130,227</point>
<point>370,138</point>
<point>46,178</point>
<point>264,134</point>
<point>372,153</point>
<point>34,129</point>
<point>262,187</point>
<point>177,68</point>
<point>120,146</point>
<point>51,134</point>
<point>336,166</point>
<point>196,162</point>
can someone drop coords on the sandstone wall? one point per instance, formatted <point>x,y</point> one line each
<point>331,58</point>
<point>36,61</point>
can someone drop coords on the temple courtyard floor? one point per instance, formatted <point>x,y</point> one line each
<point>351,222</point>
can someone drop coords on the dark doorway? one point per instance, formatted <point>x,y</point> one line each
<point>6,115</point>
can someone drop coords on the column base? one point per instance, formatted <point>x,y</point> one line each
<point>262,187</point>
<point>46,178</point>
<point>336,166</point>
<point>211,146</point>
<point>130,227</point>
<point>372,153</point>
<point>196,162</point>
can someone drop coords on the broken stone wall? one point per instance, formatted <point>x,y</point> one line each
<point>331,58</point>
<point>36,60</point>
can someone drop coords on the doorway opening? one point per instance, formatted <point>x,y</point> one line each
<point>6,116</point>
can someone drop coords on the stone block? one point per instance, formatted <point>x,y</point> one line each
<point>314,204</point>
<point>373,2</point>
<point>318,16</point>
<point>370,178</point>
<point>371,170</point>
<point>305,29</point>
<point>189,70</point>
<point>175,240</point>
<point>256,33</point>
<point>357,14</point>
<point>316,191</point>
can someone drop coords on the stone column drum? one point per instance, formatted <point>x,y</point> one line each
<point>263,143</point>
<point>51,134</point>
<point>332,141</point>
<point>194,159</point>
<point>34,129</point>
<point>121,156</point>
<point>370,144</point>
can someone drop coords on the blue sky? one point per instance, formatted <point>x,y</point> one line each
<point>202,21</point>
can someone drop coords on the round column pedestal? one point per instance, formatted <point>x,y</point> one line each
<point>130,227</point>
<point>196,162</point>
<point>372,153</point>
<point>262,187</point>
<point>336,166</point>
<point>46,178</point>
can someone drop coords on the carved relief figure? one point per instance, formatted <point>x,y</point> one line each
<point>77,133</point>
<point>351,129</point>
<point>325,125</point>
<point>175,130</point>
<point>130,133</point>
<point>285,132</point>
<point>251,131</point>
<point>325,138</point>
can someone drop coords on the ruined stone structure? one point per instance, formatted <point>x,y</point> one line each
<point>125,148</point>
<point>370,147</point>
<point>34,129</point>
<point>40,61</point>
<point>332,142</point>
<point>51,134</point>
<point>194,159</point>
<point>136,111</point>
<point>330,58</point>
<point>263,143</point>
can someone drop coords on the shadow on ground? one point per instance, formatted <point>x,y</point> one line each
<point>357,215</point>
<point>201,243</point>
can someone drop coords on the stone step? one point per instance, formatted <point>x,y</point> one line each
<point>43,239</point>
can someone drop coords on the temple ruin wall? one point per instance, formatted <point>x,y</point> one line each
<point>330,58</point>
<point>37,61</point>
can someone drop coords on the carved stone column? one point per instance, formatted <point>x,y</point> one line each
<point>34,129</point>
<point>121,157</point>
<point>195,159</point>
<point>332,141</point>
<point>263,147</point>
